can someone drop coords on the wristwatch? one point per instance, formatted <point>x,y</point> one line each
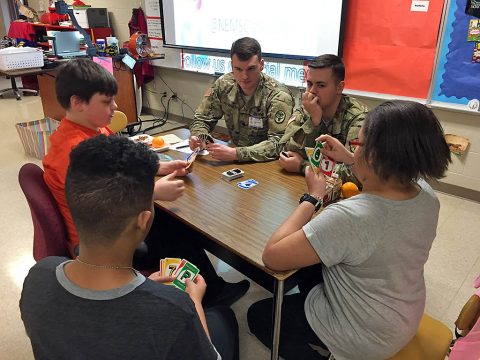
<point>313,200</point>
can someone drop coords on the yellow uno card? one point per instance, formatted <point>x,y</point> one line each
<point>171,266</point>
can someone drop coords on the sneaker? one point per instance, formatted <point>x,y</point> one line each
<point>230,293</point>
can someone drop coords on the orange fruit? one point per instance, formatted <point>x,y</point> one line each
<point>349,189</point>
<point>158,142</point>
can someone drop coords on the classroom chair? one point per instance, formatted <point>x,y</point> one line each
<point>49,232</point>
<point>17,91</point>
<point>119,122</point>
<point>432,341</point>
<point>468,316</point>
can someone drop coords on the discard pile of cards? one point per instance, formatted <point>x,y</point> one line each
<point>181,269</point>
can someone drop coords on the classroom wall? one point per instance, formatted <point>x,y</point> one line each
<point>119,13</point>
<point>464,171</point>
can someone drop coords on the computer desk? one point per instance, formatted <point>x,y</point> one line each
<point>237,223</point>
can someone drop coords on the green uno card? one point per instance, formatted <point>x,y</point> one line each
<point>187,271</point>
<point>316,157</point>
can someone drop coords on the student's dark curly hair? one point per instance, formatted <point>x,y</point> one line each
<point>404,140</point>
<point>83,78</point>
<point>110,180</point>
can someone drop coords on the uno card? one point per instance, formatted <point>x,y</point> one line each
<point>318,161</point>
<point>327,165</point>
<point>162,267</point>
<point>171,267</point>
<point>206,138</point>
<point>186,271</point>
<point>247,184</point>
<point>316,157</point>
<point>192,156</point>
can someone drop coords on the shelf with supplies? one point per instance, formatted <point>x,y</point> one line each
<point>41,33</point>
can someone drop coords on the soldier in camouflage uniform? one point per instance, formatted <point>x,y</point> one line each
<point>255,107</point>
<point>325,110</point>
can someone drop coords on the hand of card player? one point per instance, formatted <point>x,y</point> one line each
<point>168,188</point>
<point>335,150</point>
<point>191,157</point>
<point>178,271</point>
<point>201,141</point>
<point>319,161</point>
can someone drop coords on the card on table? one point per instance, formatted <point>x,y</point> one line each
<point>247,184</point>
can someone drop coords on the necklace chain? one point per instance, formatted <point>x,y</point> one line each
<point>114,267</point>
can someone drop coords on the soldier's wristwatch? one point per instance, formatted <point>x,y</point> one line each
<point>313,200</point>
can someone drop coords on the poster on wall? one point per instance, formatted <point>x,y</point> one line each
<point>154,26</point>
<point>388,47</point>
<point>458,76</point>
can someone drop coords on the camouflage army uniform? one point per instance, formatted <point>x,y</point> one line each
<point>344,126</point>
<point>255,123</point>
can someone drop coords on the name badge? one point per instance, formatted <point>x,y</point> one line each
<point>255,122</point>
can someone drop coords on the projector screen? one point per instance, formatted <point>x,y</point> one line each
<point>300,29</point>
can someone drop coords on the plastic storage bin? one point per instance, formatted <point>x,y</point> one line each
<point>20,58</point>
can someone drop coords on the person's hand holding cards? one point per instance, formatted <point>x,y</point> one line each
<point>201,141</point>
<point>196,288</point>
<point>335,150</point>
<point>180,166</point>
<point>159,278</point>
<point>179,271</point>
<point>168,188</point>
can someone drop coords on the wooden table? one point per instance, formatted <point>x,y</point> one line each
<point>237,223</point>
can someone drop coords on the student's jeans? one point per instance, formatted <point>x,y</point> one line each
<point>295,331</point>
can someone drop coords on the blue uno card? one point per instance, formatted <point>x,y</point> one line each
<point>247,184</point>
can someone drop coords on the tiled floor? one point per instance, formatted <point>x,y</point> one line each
<point>454,259</point>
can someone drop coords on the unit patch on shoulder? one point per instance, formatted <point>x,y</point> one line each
<point>279,116</point>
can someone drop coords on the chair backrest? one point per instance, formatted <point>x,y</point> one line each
<point>119,121</point>
<point>468,316</point>
<point>431,341</point>
<point>49,232</point>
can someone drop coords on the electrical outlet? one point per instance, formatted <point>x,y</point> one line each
<point>164,93</point>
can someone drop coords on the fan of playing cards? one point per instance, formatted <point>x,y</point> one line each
<point>181,269</point>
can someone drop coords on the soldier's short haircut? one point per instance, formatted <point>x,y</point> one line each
<point>110,180</point>
<point>245,48</point>
<point>83,78</point>
<point>329,61</point>
<point>404,140</point>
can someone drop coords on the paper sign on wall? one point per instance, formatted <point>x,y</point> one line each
<point>106,62</point>
<point>419,5</point>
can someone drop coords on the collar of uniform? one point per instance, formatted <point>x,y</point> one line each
<point>236,94</point>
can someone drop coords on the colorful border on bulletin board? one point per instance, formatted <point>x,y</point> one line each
<point>458,79</point>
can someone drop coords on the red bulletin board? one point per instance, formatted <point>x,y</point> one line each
<point>390,49</point>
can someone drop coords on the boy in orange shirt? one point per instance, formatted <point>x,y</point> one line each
<point>86,91</point>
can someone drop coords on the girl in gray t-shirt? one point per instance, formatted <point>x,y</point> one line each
<point>371,248</point>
